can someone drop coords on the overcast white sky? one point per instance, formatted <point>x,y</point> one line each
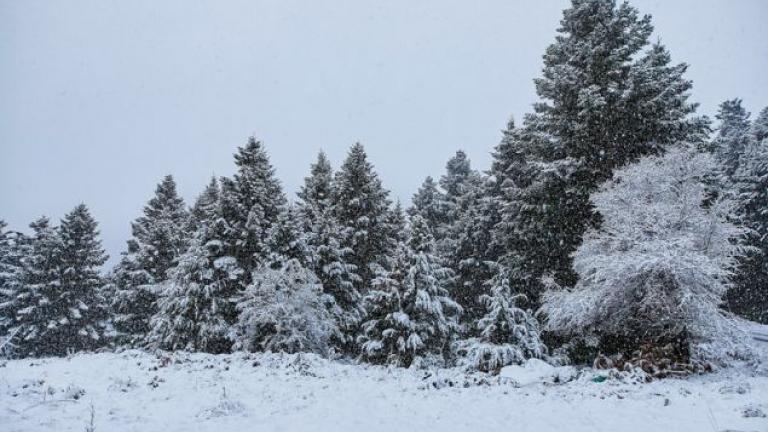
<point>99,99</point>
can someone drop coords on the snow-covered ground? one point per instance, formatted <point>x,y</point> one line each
<point>135,391</point>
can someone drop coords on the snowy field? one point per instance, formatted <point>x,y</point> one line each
<point>135,391</point>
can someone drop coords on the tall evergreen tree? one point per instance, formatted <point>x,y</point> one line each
<point>196,305</point>
<point>252,201</point>
<point>328,259</point>
<point>59,306</point>
<point>286,241</point>
<point>415,317</point>
<point>362,207</point>
<point>160,236</point>
<point>12,250</point>
<point>80,257</point>
<point>507,334</point>
<point>733,136</point>
<point>32,306</point>
<point>608,97</point>
<point>429,203</point>
<point>760,126</point>
<point>749,293</point>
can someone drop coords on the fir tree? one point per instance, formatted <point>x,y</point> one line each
<point>507,334</point>
<point>159,238</point>
<point>32,308</point>
<point>608,97</point>
<point>285,240</point>
<point>12,251</point>
<point>429,203</point>
<point>328,260</point>
<point>361,207</point>
<point>315,194</point>
<point>80,257</point>
<point>760,126</point>
<point>59,307</point>
<point>196,305</point>
<point>457,170</point>
<point>473,251</point>
<point>415,317</point>
<point>749,294</point>
<point>733,136</point>
<point>253,201</point>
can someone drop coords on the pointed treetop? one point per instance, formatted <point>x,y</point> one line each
<point>760,125</point>
<point>458,168</point>
<point>733,118</point>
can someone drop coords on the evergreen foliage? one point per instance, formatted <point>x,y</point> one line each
<point>416,317</point>
<point>328,260</point>
<point>159,237</point>
<point>608,97</point>
<point>362,208</point>
<point>507,334</point>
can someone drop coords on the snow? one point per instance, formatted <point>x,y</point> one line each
<point>136,391</point>
<point>535,371</point>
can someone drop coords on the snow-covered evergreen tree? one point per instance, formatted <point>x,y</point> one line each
<point>733,136</point>
<point>12,251</point>
<point>196,305</point>
<point>31,307</point>
<point>285,239</point>
<point>607,98</point>
<point>159,237</point>
<point>473,251</point>
<point>253,201</point>
<point>657,269</point>
<point>507,334</point>
<point>414,317</point>
<point>458,170</point>
<point>285,310</point>
<point>362,207</point>
<point>59,305</point>
<point>760,126</point>
<point>749,295</point>
<point>328,260</point>
<point>80,300</point>
<point>429,203</point>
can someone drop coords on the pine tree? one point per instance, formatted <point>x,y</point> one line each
<point>733,136</point>
<point>429,203</point>
<point>159,237</point>
<point>519,233</point>
<point>59,306</point>
<point>32,307</point>
<point>362,207</point>
<point>315,194</point>
<point>473,251</point>
<point>80,257</point>
<point>415,317</point>
<point>328,259</point>
<point>457,170</point>
<point>207,207</point>
<point>760,126</point>
<point>507,334</point>
<point>607,99</point>
<point>253,201</point>
<point>12,250</point>
<point>196,305</point>
<point>285,240</point>
<point>749,294</point>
